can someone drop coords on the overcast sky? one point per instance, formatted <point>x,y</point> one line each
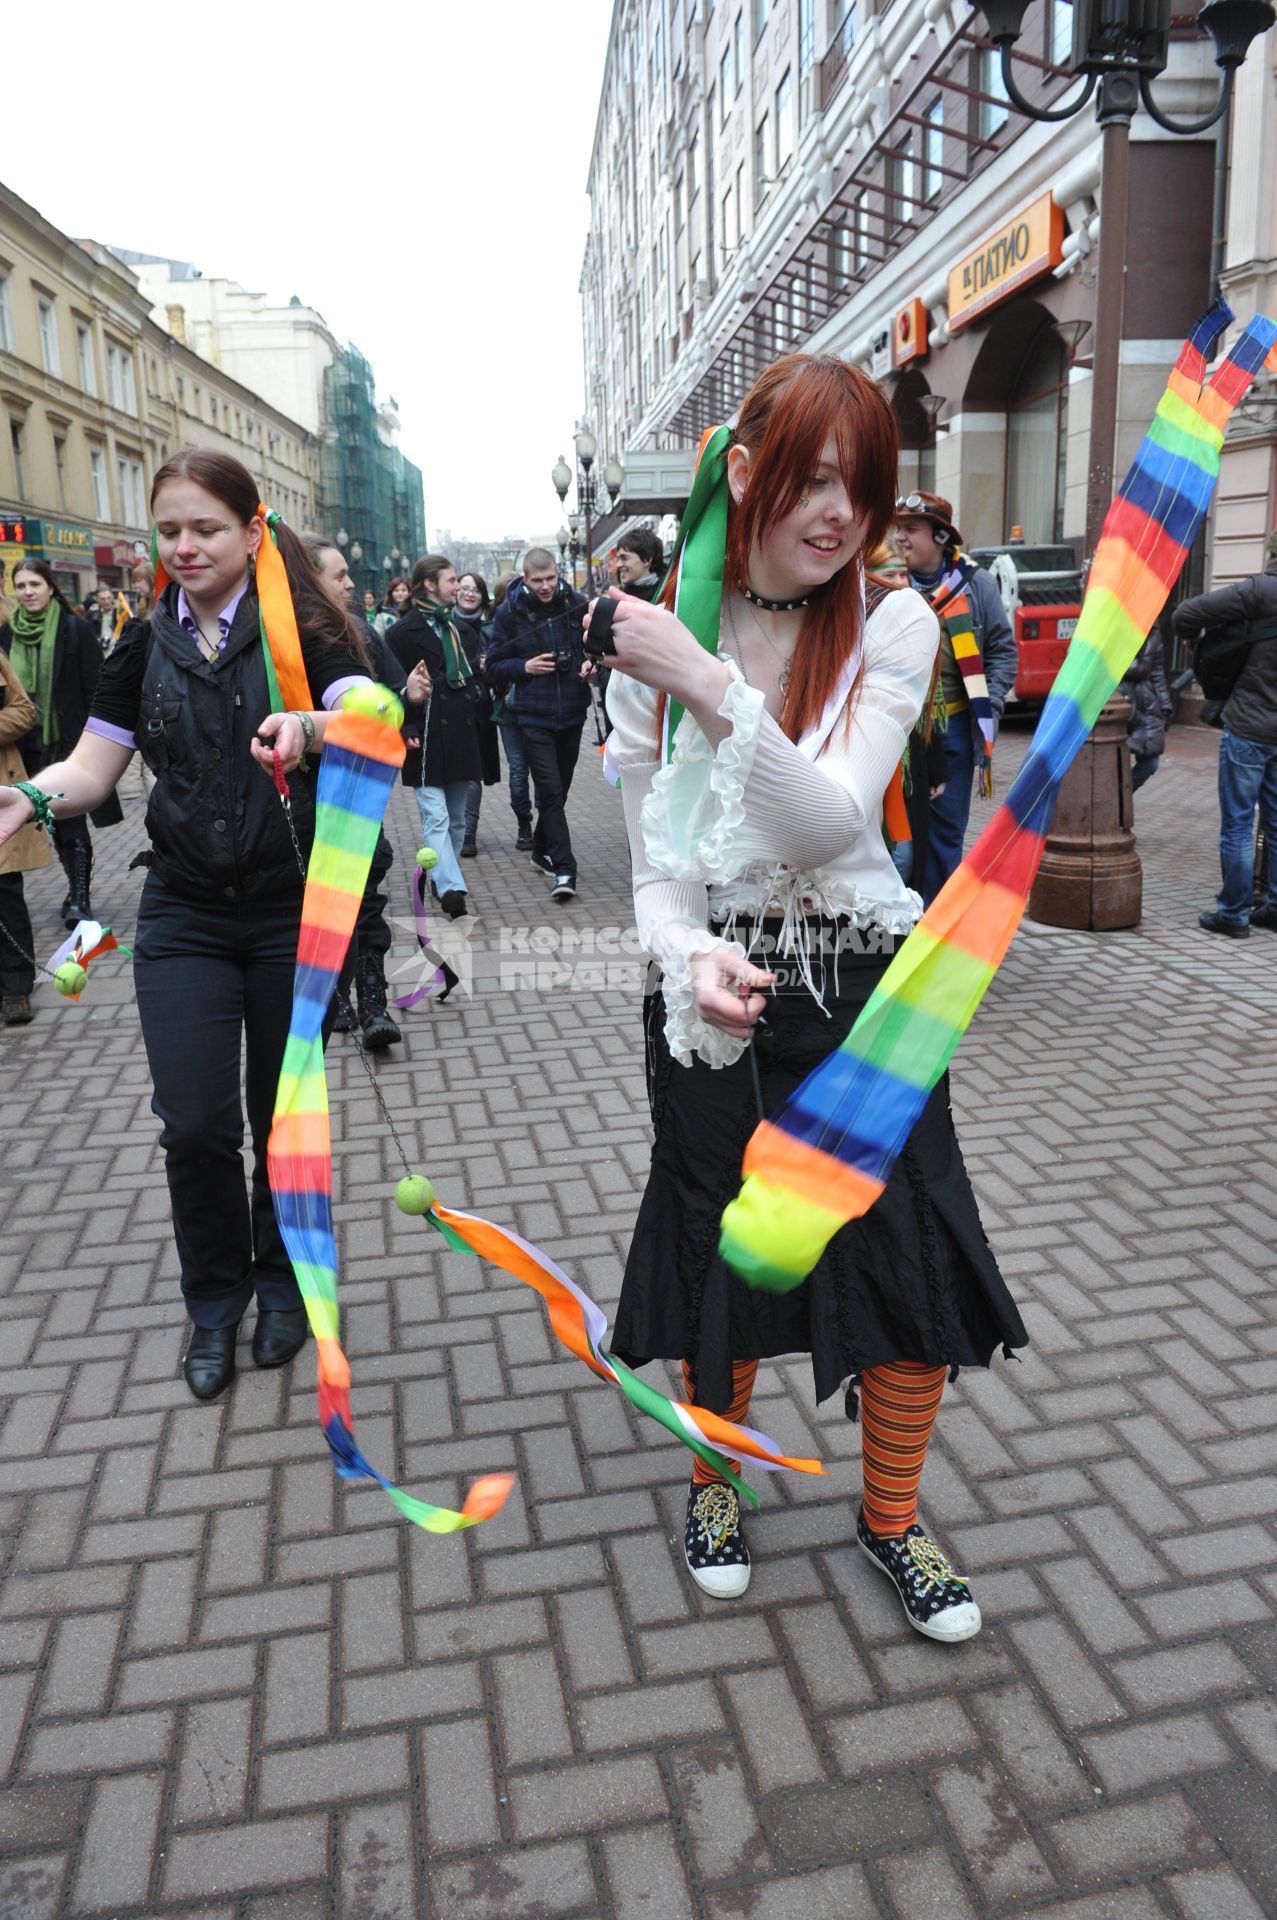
<point>425,172</point>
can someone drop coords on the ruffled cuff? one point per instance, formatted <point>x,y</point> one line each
<point>693,815</point>
<point>685,1032</point>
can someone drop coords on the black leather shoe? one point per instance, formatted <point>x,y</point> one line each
<point>209,1360</point>
<point>277,1337</point>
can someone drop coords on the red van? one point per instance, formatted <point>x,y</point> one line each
<point>1041,589</point>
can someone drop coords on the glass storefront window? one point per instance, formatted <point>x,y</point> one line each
<point>1037,442</point>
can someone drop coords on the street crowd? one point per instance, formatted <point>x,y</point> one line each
<point>821,782</point>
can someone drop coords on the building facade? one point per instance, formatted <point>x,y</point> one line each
<point>847,176</point>
<point>94,397</point>
<point>366,486</point>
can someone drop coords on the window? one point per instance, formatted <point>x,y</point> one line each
<point>784,120</point>
<point>693,164</point>
<point>6,315</point>
<point>128,390</point>
<point>761,181</point>
<point>860,233</point>
<point>1037,440</point>
<point>181,391</point>
<point>132,505</point>
<point>212,408</point>
<point>101,498</point>
<point>678,205</point>
<point>903,175</point>
<point>1059,33</point>
<point>48,320</point>
<point>932,149</point>
<point>725,89</point>
<point>760,19</point>
<point>15,443</point>
<point>806,34</point>
<point>84,355</point>
<point>727,231</point>
<point>841,259</point>
<point>993,111</point>
<point>738,45</point>
<point>60,470</point>
<point>845,29</point>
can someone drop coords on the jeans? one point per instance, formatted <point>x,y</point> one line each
<point>902,859</point>
<point>17,975</point>
<point>552,756</point>
<point>443,827</point>
<point>1143,767</point>
<point>206,977</point>
<point>474,800</point>
<point>1247,775</point>
<point>517,762</point>
<point>951,810</point>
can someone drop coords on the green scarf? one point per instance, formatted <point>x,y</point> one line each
<point>454,655</point>
<point>34,638</point>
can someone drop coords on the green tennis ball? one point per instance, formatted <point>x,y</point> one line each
<point>376,703</point>
<point>427,859</point>
<point>70,978</point>
<point>414,1194</point>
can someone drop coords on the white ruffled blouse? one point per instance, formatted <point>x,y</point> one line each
<point>761,826</point>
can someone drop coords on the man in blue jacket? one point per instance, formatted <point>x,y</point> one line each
<point>536,645</point>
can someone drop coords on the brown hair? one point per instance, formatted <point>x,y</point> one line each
<point>429,569</point>
<point>787,416</point>
<point>318,615</point>
<point>32,563</point>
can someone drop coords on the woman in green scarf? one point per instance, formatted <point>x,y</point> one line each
<point>57,659</point>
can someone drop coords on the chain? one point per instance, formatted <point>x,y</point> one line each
<point>286,802</point>
<point>30,958</point>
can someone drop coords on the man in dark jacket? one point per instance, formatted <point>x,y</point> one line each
<point>536,644</point>
<point>1248,745</point>
<point>640,562</point>
<point>929,542</point>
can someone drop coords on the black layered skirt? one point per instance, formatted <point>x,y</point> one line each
<point>914,1279</point>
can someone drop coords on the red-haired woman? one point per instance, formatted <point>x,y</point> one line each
<point>220,911</point>
<point>765,891</point>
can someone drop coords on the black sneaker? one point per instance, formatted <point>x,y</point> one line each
<point>543,864</point>
<point>564,887</point>
<point>1216,923</point>
<point>454,903</point>
<point>1265,917</point>
<point>469,847</point>
<point>523,844</point>
<point>936,1599</point>
<point>713,1544</point>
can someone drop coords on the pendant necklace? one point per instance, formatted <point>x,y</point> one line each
<point>783,662</point>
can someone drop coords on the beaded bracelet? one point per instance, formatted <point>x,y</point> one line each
<point>308,733</point>
<point>41,803</point>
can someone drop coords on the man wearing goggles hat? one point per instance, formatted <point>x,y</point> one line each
<point>930,544</point>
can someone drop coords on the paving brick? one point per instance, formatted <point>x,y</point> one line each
<point>585,1796</point>
<point>410,1695</point>
<point>1004,1860</point>
<point>840,1894</point>
<point>515,1883</point>
<point>460,1796</point>
<point>118,1855</point>
<point>376,1862</point>
<point>100,1746</point>
<point>480,1629</point>
<point>1045,1772</point>
<point>332,1772</point>
<point>530,1707</point>
<point>701,1644</point>
<point>1069,1680</point>
<point>1150,1836</point>
<point>47,1813</point>
<point>645,1874</point>
<point>171,1677</point>
<point>887,1737</point>
<point>1237,1810</point>
<point>649,1716</point>
<point>831,1670</point>
<point>1205,1609</point>
<point>818,1824</point>
<point>32,1887</point>
<point>1212,1893</point>
<point>297,1688</point>
<point>718,1812</point>
<point>80,1673</point>
<point>212,1781</point>
<point>1185,1673</point>
<point>925,1884</point>
<point>16,1690</point>
<point>781,1750</point>
<point>262,1853</point>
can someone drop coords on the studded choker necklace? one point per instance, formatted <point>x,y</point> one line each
<point>773,606</point>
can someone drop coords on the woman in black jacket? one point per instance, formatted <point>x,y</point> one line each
<point>473,612</point>
<point>56,656</point>
<point>221,908</point>
<point>444,760</point>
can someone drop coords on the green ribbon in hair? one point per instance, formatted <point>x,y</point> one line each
<point>698,555</point>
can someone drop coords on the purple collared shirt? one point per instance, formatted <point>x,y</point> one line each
<point>225,619</point>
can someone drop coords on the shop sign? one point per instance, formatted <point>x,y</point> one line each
<point>1021,251</point>
<point>880,354</point>
<point>17,532</point>
<point>909,334</point>
<point>67,543</point>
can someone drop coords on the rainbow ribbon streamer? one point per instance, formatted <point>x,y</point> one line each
<point>361,757</point>
<point>825,1157</point>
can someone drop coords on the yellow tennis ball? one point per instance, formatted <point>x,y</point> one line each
<point>70,978</point>
<point>427,859</point>
<point>376,703</point>
<point>414,1194</point>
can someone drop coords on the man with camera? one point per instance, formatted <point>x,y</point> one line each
<point>536,646</point>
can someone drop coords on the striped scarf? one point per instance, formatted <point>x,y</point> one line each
<point>950,603</point>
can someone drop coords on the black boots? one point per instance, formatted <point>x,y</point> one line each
<point>379,1029</point>
<point>524,842</point>
<point>77,862</point>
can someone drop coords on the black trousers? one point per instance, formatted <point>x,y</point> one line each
<point>372,934</point>
<point>206,977</point>
<point>552,755</point>
<point>17,975</point>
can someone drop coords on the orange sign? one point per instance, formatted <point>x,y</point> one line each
<point>909,334</point>
<point>1022,250</point>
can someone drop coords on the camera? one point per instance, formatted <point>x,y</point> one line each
<point>563,659</point>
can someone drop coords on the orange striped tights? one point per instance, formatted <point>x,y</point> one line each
<point>898,1406</point>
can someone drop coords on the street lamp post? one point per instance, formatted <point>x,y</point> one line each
<point>1090,873</point>
<point>591,492</point>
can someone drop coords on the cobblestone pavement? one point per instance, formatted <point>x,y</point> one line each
<point>233,1687</point>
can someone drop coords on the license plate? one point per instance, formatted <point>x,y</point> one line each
<point>1065,629</point>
